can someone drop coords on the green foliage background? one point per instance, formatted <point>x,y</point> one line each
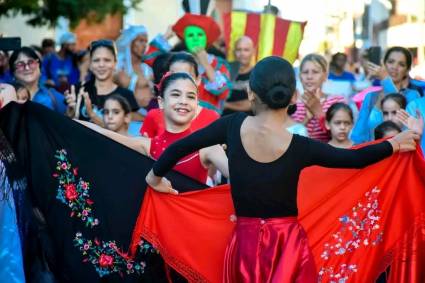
<point>48,11</point>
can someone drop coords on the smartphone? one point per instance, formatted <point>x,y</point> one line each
<point>10,43</point>
<point>374,55</point>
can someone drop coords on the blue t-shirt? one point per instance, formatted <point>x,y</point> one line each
<point>6,77</point>
<point>50,98</point>
<point>345,76</point>
<point>412,107</point>
<point>54,67</point>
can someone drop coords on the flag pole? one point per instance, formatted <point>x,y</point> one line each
<point>211,8</point>
<point>268,8</point>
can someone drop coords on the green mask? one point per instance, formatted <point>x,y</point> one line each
<point>195,38</point>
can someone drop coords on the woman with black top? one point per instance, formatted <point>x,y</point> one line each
<point>268,244</point>
<point>93,94</point>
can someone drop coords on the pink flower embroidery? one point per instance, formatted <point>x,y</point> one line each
<point>84,185</point>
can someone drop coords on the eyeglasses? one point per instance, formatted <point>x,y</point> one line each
<point>21,65</point>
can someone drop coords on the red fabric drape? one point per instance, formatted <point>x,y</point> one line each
<point>191,230</point>
<point>409,257</point>
<point>357,222</point>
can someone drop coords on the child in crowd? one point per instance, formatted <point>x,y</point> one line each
<point>371,116</point>
<point>117,114</point>
<point>178,97</point>
<point>154,123</point>
<point>390,105</point>
<point>339,121</point>
<point>386,129</point>
<point>22,93</point>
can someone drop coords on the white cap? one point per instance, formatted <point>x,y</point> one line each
<point>68,38</point>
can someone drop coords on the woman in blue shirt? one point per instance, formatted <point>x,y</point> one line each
<point>25,66</point>
<point>394,74</point>
<point>394,78</point>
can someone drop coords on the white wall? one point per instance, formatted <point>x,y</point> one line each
<point>156,15</point>
<point>17,26</point>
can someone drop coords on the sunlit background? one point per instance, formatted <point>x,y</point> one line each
<point>333,25</point>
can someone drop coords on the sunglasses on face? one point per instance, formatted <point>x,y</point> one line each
<point>31,64</point>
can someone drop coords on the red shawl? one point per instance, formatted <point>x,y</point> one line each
<point>358,223</point>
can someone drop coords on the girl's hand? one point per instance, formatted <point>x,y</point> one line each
<point>78,103</point>
<point>376,70</point>
<point>410,122</point>
<point>71,101</point>
<point>160,184</point>
<point>404,141</point>
<point>88,104</point>
<point>71,97</point>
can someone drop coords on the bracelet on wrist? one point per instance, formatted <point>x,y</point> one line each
<point>397,145</point>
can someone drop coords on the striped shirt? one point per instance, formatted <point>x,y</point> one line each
<point>315,130</point>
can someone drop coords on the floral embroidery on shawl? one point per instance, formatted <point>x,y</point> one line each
<point>359,228</point>
<point>107,257</point>
<point>73,191</point>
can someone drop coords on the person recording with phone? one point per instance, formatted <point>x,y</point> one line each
<point>393,77</point>
<point>393,74</point>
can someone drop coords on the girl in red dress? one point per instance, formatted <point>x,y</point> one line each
<point>178,98</point>
<point>153,124</point>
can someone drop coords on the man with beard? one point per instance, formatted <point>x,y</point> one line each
<point>59,70</point>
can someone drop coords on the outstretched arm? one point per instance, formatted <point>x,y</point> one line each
<point>139,144</point>
<point>325,155</point>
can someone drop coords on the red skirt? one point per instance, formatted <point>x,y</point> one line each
<point>273,250</point>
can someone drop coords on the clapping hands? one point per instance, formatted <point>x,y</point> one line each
<point>312,102</point>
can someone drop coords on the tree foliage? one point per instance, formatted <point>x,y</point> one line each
<point>44,12</point>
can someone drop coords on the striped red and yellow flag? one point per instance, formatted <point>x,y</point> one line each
<point>271,35</point>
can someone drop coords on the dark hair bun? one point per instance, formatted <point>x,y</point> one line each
<point>278,96</point>
<point>273,81</point>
